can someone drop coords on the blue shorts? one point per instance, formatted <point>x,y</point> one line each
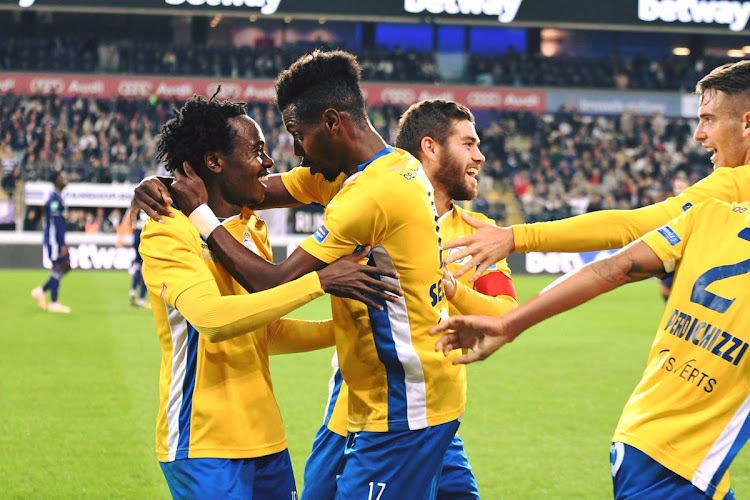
<point>636,475</point>
<point>457,481</point>
<point>323,464</point>
<point>223,478</point>
<point>394,465</point>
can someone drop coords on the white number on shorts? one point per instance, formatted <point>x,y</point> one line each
<point>294,495</point>
<point>380,493</point>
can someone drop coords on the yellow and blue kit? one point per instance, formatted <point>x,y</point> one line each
<point>396,379</point>
<point>690,410</point>
<point>617,228</point>
<point>216,396</point>
<point>497,295</point>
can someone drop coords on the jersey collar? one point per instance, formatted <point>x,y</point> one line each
<point>383,152</point>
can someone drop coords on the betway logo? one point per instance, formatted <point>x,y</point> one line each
<point>266,6</point>
<point>735,14</point>
<point>505,10</point>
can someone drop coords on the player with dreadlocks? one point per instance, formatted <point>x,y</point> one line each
<point>219,432</point>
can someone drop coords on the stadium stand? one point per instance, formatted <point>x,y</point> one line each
<point>510,67</point>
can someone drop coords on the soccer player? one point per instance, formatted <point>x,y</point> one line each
<point>688,417</point>
<point>219,431</point>
<point>54,247</point>
<point>723,128</point>
<point>137,285</point>
<point>404,401</point>
<point>442,136</point>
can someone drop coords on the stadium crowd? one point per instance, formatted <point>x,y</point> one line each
<point>266,61</point>
<point>558,164</point>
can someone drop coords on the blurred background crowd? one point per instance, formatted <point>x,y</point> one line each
<point>540,165</point>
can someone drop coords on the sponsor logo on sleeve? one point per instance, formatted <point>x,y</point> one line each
<point>669,235</point>
<point>321,234</point>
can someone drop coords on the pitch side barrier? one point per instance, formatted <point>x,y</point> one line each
<point>23,250</point>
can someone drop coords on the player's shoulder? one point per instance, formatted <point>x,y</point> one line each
<point>475,215</point>
<point>179,224</point>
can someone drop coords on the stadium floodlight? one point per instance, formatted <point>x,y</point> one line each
<point>681,51</point>
<point>746,49</point>
<point>736,53</point>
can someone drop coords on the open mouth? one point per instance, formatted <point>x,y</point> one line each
<point>472,172</point>
<point>712,151</point>
<point>263,178</point>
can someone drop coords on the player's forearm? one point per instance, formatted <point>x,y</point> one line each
<point>593,231</point>
<point>581,286</point>
<point>250,270</point>
<point>288,336</point>
<point>277,195</point>
<point>468,301</point>
<point>220,318</point>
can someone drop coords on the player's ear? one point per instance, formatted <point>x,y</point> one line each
<point>428,148</point>
<point>746,123</point>
<point>212,161</point>
<point>332,119</point>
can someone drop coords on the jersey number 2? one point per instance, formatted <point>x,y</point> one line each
<point>710,300</point>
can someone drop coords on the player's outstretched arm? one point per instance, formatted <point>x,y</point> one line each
<point>152,196</point>
<point>289,336</point>
<point>592,231</point>
<point>485,335</point>
<point>488,245</point>
<point>343,278</point>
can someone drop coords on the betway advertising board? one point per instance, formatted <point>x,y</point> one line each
<point>682,15</point>
<point>376,94</point>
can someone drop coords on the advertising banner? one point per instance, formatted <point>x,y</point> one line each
<point>71,85</point>
<point>82,194</point>
<point>560,263</point>
<point>680,15</point>
<point>591,102</point>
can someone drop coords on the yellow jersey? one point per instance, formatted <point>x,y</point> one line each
<point>495,282</point>
<point>216,399</point>
<point>396,379</point>
<point>690,410</point>
<point>617,228</point>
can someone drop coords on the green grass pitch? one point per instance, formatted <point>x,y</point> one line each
<point>79,395</point>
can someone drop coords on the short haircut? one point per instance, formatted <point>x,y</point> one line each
<point>322,80</point>
<point>732,79</point>
<point>201,126</point>
<point>433,118</point>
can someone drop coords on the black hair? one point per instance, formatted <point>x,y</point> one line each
<point>200,126</point>
<point>322,80</point>
<point>433,118</point>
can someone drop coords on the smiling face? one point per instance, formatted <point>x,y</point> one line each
<point>460,161</point>
<point>245,171</point>
<point>313,143</point>
<point>724,128</point>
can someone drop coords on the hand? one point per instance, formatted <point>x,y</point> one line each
<point>347,278</point>
<point>63,252</point>
<point>188,189</point>
<point>449,284</point>
<point>485,247</point>
<point>151,196</point>
<point>482,334</point>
